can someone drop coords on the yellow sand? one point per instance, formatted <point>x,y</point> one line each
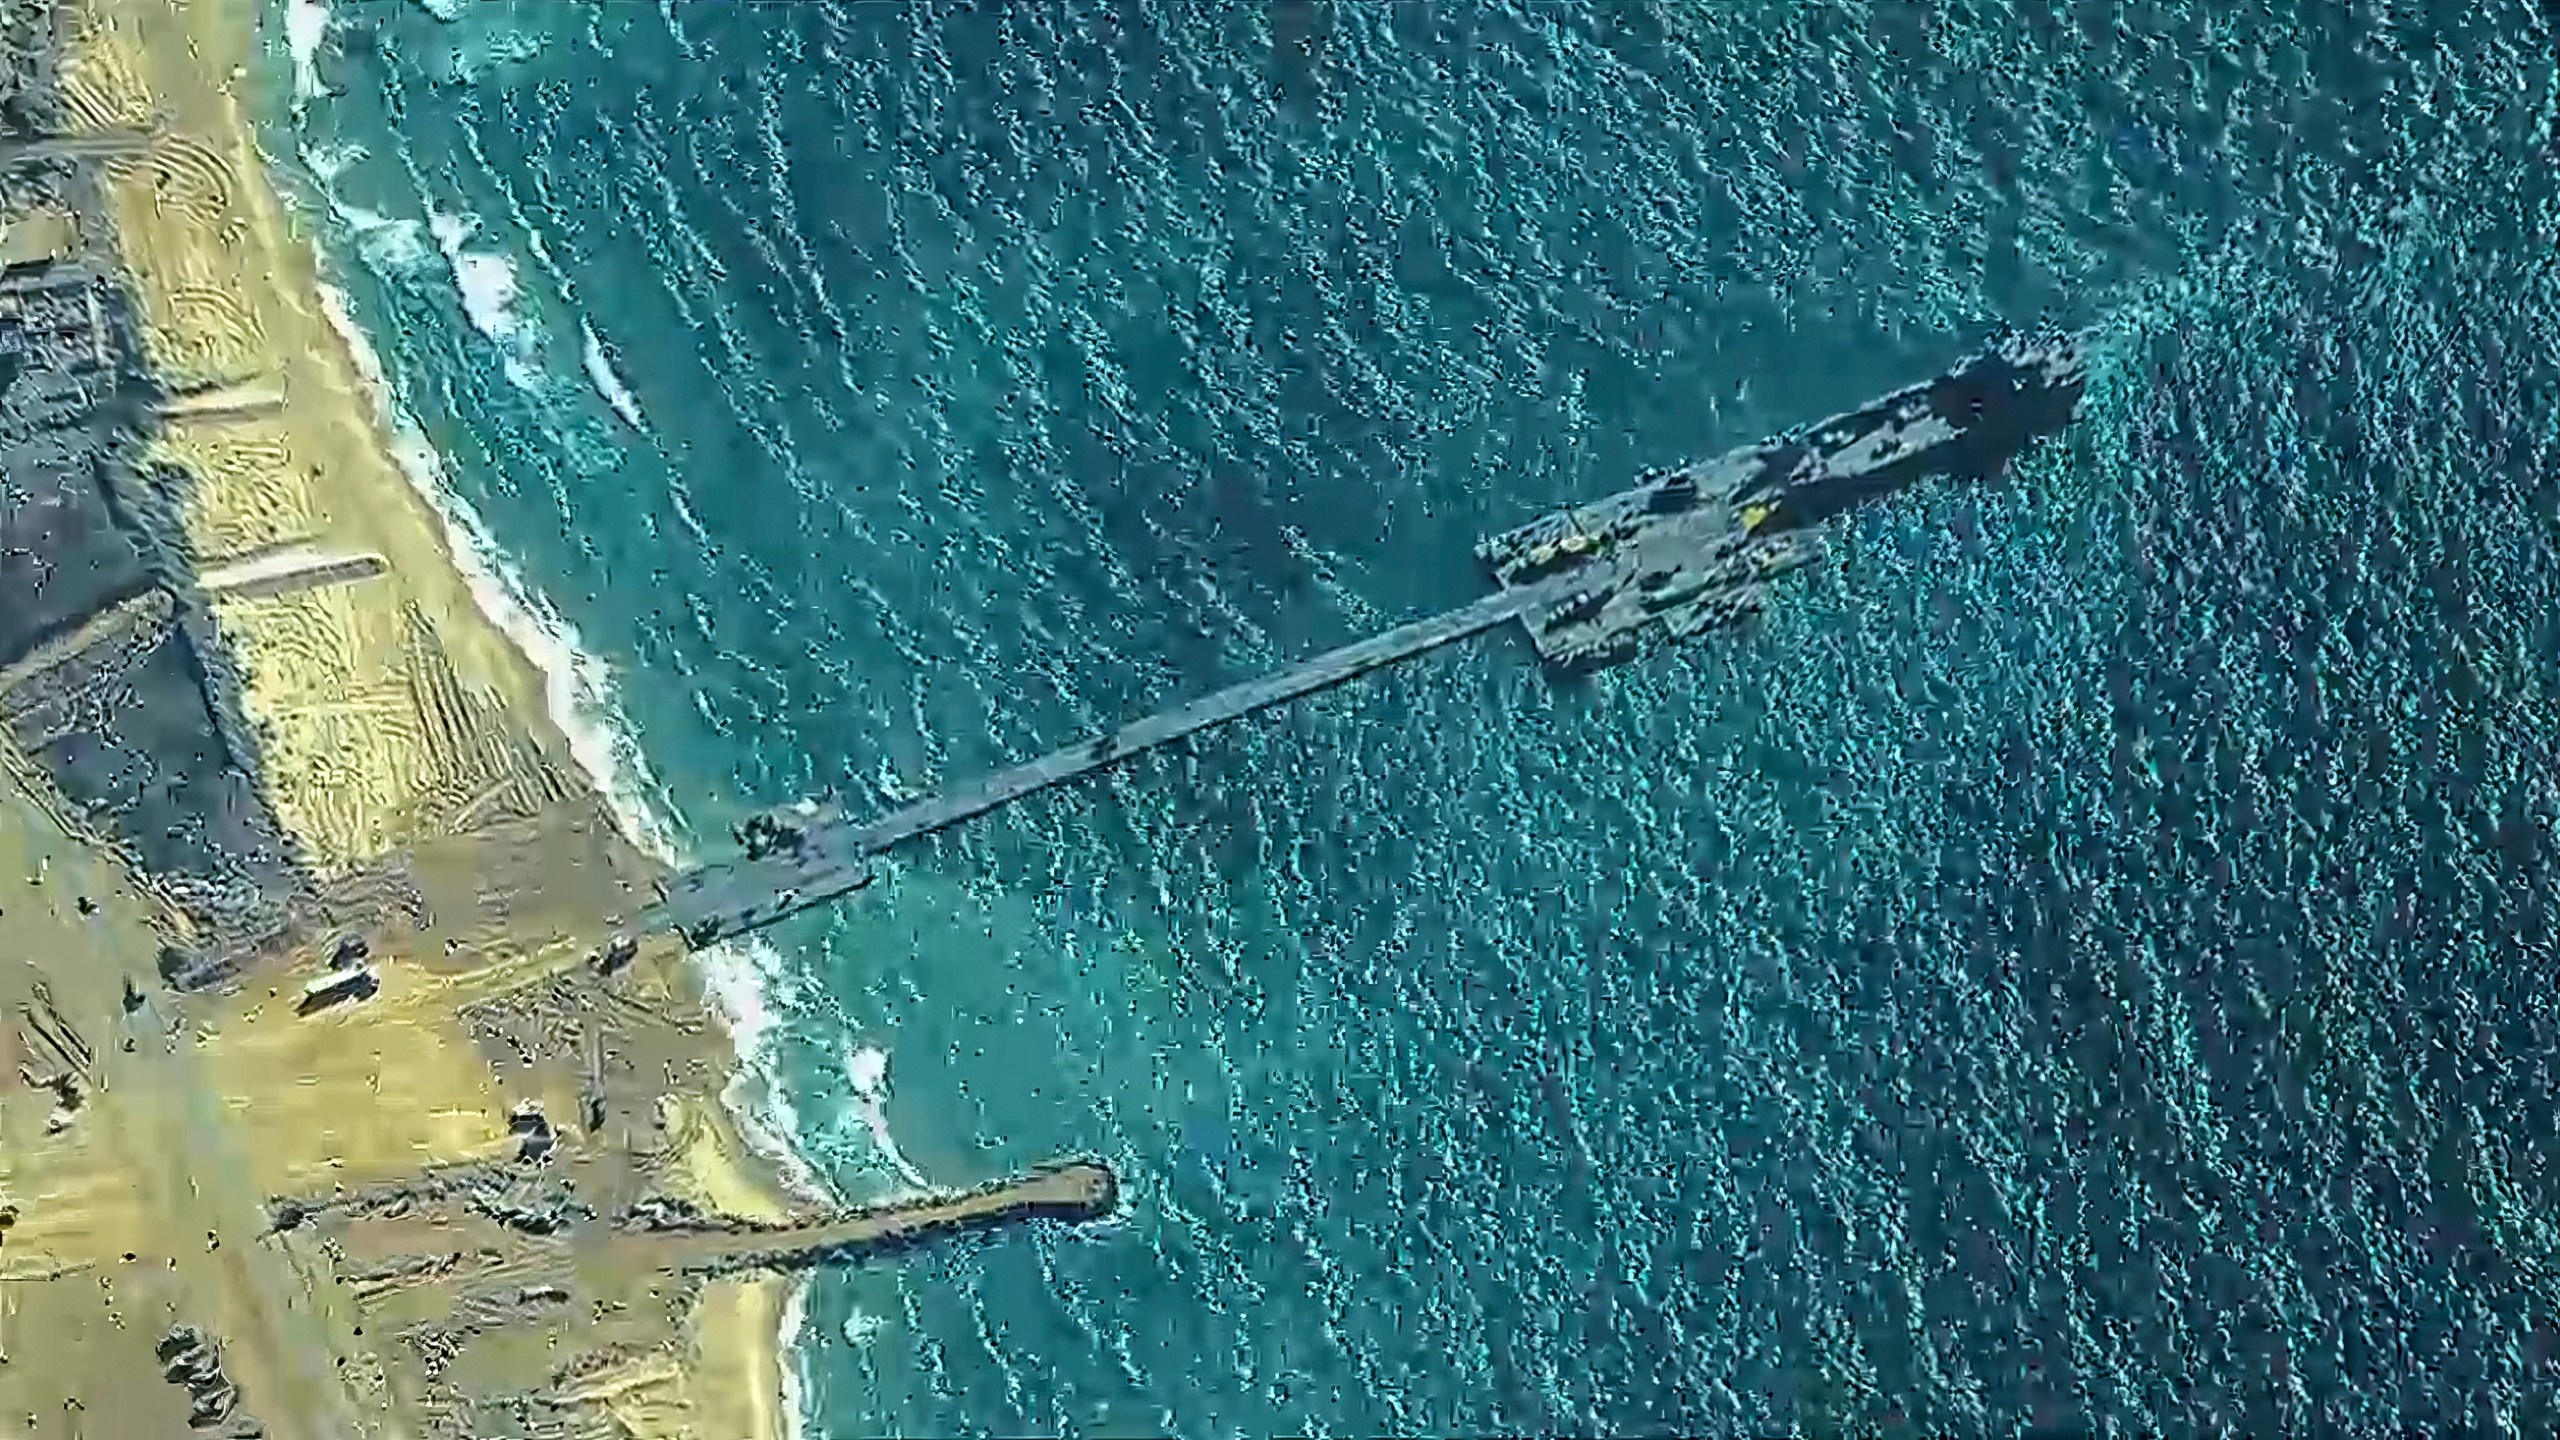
<point>42,235</point>
<point>389,712</point>
<point>131,1199</point>
<point>340,681</point>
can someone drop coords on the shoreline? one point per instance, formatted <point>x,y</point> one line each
<point>578,690</point>
<point>735,1316</point>
<point>578,702</point>
<point>195,62</point>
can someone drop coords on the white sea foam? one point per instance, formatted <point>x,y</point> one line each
<point>578,689</point>
<point>390,245</point>
<point>486,40</point>
<point>743,977</point>
<point>330,161</point>
<point>495,300</point>
<point>795,1319</point>
<point>306,29</point>
<point>387,244</point>
<point>578,693</point>
<point>608,382</point>
<point>675,30</point>
<point>487,282</point>
<point>508,46</point>
<point>866,1068</point>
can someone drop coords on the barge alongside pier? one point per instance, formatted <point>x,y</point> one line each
<point>1686,552</point>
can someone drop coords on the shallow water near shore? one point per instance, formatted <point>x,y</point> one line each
<point>2080,962</point>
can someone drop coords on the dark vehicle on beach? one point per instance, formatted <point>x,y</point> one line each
<point>339,987</point>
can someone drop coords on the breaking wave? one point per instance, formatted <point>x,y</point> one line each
<point>579,699</point>
<point>607,380</point>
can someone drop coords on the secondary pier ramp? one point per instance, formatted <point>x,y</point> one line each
<point>1073,1191</point>
<point>1686,551</point>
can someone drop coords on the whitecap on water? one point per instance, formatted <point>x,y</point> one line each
<point>578,689</point>
<point>866,1068</point>
<point>328,160</point>
<point>306,29</point>
<point>486,279</point>
<point>743,977</point>
<point>608,381</point>
<point>487,283</point>
<point>484,41</point>
<point>388,245</point>
<point>580,700</point>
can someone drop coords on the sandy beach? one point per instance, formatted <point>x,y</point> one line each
<point>401,736</point>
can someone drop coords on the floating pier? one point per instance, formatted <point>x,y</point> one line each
<point>1684,552</point>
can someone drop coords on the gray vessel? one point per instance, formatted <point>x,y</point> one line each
<point>1685,552</point>
<point>1693,549</point>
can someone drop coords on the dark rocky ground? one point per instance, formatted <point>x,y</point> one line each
<point>111,674</point>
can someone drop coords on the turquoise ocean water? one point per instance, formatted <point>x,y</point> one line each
<point>2083,962</point>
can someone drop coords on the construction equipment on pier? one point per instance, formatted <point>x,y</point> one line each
<point>1684,552</point>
